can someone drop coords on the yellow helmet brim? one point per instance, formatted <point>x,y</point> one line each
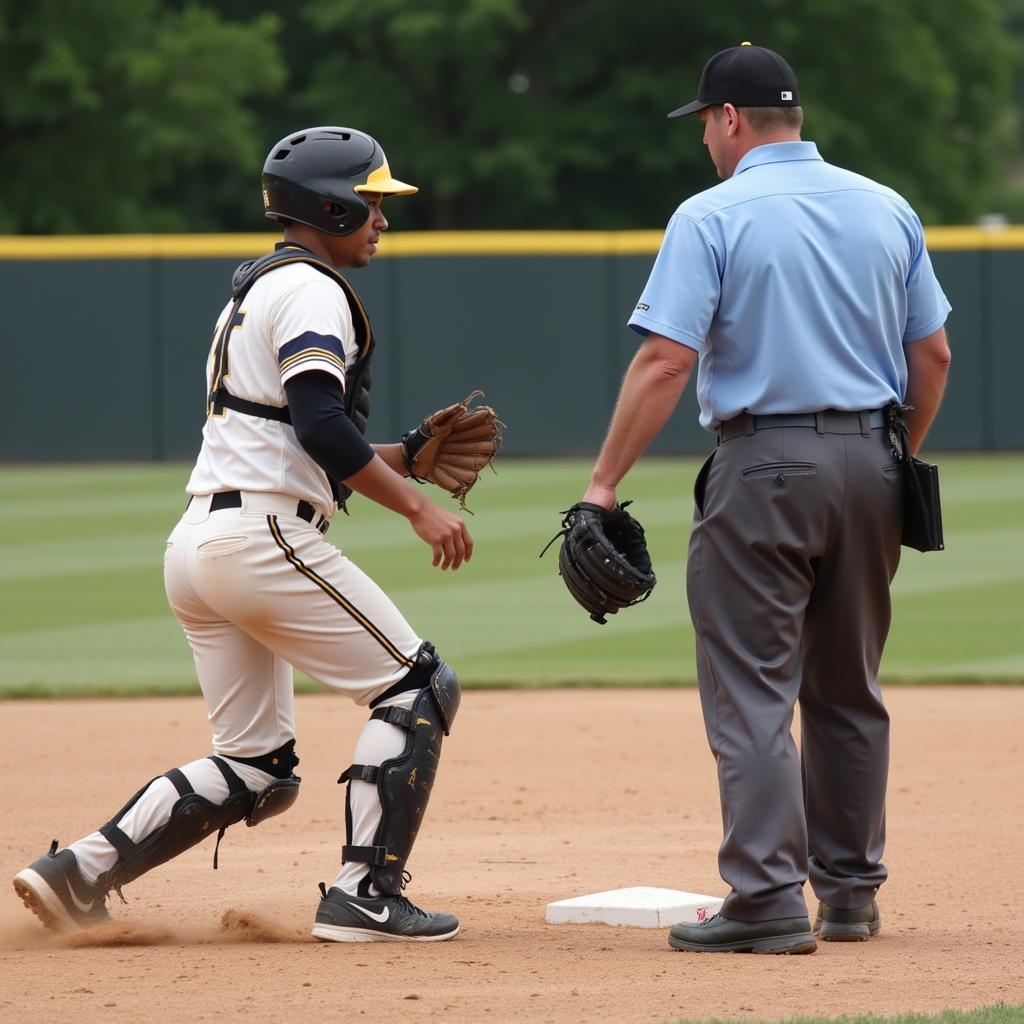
<point>380,180</point>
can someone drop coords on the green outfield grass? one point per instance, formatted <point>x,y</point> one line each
<point>999,1014</point>
<point>82,608</point>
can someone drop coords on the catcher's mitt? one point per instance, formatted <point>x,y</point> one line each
<point>604,560</point>
<point>452,445</point>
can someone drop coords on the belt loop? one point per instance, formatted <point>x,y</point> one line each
<point>865,424</point>
<point>819,422</point>
<point>749,425</point>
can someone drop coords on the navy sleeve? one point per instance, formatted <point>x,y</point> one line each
<point>317,408</point>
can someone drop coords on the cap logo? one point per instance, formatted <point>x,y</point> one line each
<point>786,94</point>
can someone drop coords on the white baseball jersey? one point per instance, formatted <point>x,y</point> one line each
<point>294,319</point>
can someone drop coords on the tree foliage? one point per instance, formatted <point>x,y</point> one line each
<point>507,113</point>
<point>119,115</point>
<point>540,113</point>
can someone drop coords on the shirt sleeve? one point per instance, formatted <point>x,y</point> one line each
<point>682,293</point>
<point>927,305</point>
<point>311,329</point>
<point>322,427</point>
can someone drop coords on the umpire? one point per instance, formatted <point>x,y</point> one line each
<point>806,297</point>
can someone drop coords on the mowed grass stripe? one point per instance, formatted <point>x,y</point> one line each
<point>82,607</point>
<point>94,598</point>
<point>134,655</point>
<point>654,657</point>
<point>972,558</point>
<point>943,632</point>
<point>69,557</point>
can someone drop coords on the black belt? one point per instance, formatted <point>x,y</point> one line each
<point>828,421</point>
<point>233,499</point>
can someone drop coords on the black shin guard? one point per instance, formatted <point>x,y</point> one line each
<point>404,782</point>
<point>193,818</point>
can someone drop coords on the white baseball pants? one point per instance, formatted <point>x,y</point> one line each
<point>258,590</point>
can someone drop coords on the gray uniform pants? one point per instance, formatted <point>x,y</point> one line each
<point>795,542</point>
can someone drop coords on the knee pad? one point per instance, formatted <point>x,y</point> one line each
<point>404,782</point>
<point>282,792</point>
<point>193,817</point>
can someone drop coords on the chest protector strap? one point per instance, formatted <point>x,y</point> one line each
<point>357,376</point>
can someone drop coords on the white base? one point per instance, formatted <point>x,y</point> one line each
<point>641,906</point>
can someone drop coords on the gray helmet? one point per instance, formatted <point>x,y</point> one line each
<point>315,177</point>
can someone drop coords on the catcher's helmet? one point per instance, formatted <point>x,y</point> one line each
<point>316,176</point>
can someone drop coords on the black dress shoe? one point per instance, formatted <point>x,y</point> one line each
<point>720,935</point>
<point>835,925</point>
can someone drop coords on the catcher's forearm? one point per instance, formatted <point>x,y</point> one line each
<point>650,391</point>
<point>383,485</point>
<point>392,455</point>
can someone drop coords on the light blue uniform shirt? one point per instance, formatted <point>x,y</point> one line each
<point>798,283</point>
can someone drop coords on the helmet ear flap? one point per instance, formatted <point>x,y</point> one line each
<point>311,179</point>
<point>346,218</point>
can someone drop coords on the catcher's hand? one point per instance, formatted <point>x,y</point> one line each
<point>604,560</point>
<point>451,446</point>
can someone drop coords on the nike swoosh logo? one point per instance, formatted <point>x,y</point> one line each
<point>379,918</point>
<point>83,907</point>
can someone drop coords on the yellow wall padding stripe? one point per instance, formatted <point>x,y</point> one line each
<point>421,243</point>
<point>1010,237</point>
<point>133,247</point>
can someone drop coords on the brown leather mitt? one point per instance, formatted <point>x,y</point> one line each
<point>451,446</point>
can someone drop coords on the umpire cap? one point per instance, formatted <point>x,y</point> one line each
<point>745,76</point>
<point>315,177</point>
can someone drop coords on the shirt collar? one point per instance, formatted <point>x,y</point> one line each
<point>777,153</point>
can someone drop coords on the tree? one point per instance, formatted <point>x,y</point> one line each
<point>125,115</point>
<point>138,115</point>
<point>1008,199</point>
<point>516,113</point>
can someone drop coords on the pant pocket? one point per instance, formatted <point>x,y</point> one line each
<point>700,485</point>
<point>779,470</point>
<point>220,546</point>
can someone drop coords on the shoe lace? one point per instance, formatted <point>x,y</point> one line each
<point>407,904</point>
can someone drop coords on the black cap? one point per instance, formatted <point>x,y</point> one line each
<point>745,76</point>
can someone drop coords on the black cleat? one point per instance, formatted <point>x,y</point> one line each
<point>835,925</point>
<point>344,918</point>
<point>54,890</point>
<point>720,935</point>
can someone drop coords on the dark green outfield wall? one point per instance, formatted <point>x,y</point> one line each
<point>105,358</point>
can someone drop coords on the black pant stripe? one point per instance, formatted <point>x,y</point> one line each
<point>334,595</point>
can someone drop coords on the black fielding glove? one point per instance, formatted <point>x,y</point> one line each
<point>603,560</point>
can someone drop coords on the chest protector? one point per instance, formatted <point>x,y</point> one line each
<point>357,376</point>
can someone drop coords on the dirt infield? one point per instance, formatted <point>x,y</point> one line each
<point>542,795</point>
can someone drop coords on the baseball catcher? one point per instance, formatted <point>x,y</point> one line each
<point>284,444</point>
<point>452,445</point>
<point>603,559</point>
